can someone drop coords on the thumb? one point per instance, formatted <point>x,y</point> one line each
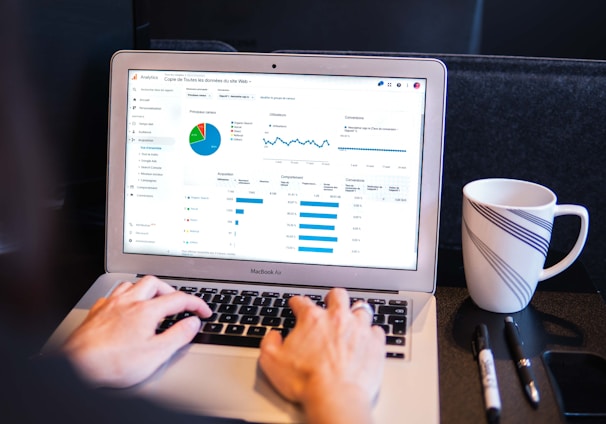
<point>179,334</point>
<point>270,347</point>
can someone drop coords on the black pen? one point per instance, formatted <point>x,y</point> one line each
<point>481,348</point>
<point>522,363</point>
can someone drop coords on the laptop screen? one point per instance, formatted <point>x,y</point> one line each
<point>290,168</point>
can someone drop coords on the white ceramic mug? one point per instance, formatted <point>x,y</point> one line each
<point>506,231</point>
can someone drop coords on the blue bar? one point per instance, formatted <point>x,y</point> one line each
<point>322,204</point>
<point>318,215</point>
<point>315,249</point>
<point>316,227</point>
<point>247,200</point>
<point>239,211</point>
<point>237,222</point>
<point>317,238</point>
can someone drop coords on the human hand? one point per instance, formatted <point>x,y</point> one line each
<point>331,362</point>
<point>117,344</point>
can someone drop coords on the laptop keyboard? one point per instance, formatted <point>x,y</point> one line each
<point>242,317</point>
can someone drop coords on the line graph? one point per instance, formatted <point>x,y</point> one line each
<point>279,140</point>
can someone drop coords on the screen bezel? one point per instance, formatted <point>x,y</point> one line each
<point>422,279</point>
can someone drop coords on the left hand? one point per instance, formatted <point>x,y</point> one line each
<point>117,344</point>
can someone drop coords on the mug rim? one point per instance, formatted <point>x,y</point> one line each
<point>512,181</point>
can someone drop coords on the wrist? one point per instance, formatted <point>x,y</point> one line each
<point>337,402</point>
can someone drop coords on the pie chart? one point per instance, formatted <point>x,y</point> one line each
<point>204,139</point>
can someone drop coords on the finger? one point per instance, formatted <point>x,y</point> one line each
<point>177,336</point>
<point>123,287</point>
<point>97,305</point>
<point>300,304</point>
<point>149,287</point>
<point>271,342</point>
<point>176,302</point>
<point>270,361</point>
<point>338,299</point>
<point>363,312</point>
<point>379,334</point>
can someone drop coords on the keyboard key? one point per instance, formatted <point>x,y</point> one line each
<point>167,323</point>
<point>207,297</point>
<point>234,329</point>
<point>208,290</point>
<point>222,298</point>
<point>392,310</point>
<point>398,330</point>
<point>392,340</point>
<point>397,320</point>
<point>227,340</point>
<point>250,319</point>
<point>249,310</point>
<point>229,318</point>
<point>262,301</point>
<point>386,328</point>
<point>242,300</point>
<point>287,313</point>
<point>211,318</point>
<point>190,290</point>
<point>378,319</point>
<point>280,303</point>
<point>228,308</point>
<point>271,321</point>
<point>212,328</point>
<point>256,331</point>
<point>269,312</point>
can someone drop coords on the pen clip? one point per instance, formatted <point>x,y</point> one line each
<point>520,340</point>
<point>517,330</point>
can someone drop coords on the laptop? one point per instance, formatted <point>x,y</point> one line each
<point>247,178</point>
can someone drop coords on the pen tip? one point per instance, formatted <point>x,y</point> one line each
<point>508,319</point>
<point>493,415</point>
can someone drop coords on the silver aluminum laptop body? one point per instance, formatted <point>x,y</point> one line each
<point>277,172</point>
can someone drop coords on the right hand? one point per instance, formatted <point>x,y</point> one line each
<point>331,362</point>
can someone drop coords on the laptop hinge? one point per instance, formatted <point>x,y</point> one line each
<point>267,284</point>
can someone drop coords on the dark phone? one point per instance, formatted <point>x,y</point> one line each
<point>579,381</point>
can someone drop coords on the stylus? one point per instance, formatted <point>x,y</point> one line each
<point>481,347</point>
<point>523,364</point>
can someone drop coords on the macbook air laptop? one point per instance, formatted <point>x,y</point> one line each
<point>248,178</point>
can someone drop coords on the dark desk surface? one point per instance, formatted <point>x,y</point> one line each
<point>555,320</point>
<point>565,314</point>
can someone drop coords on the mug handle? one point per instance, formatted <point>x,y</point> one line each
<point>582,213</point>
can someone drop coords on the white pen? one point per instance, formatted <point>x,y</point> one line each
<point>481,348</point>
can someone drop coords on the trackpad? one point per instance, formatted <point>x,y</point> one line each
<point>231,385</point>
